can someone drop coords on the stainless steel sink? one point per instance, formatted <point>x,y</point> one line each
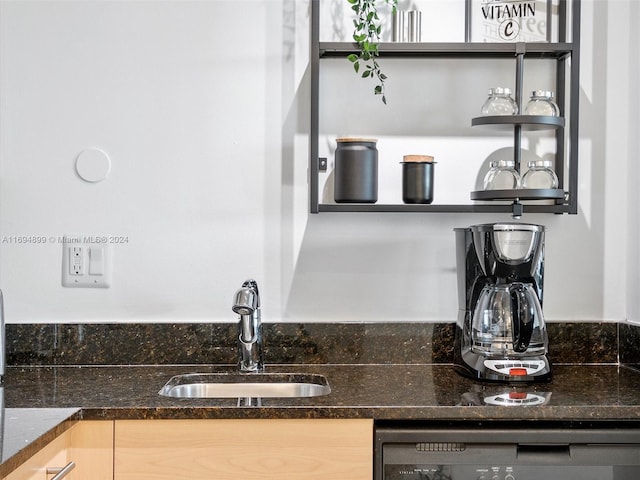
<point>245,385</point>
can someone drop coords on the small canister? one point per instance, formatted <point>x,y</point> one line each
<point>414,26</point>
<point>541,103</point>
<point>417,179</point>
<point>540,175</point>
<point>356,170</point>
<point>502,176</point>
<point>399,30</point>
<point>499,102</point>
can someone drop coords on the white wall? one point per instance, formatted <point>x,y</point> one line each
<point>633,178</point>
<point>203,109</point>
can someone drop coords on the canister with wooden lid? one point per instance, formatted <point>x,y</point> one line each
<point>417,178</point>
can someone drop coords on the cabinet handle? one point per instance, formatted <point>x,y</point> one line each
<point>59,472</point>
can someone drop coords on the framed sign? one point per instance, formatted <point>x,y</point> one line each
<point>509,20</point>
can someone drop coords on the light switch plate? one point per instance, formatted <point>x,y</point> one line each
<point>86,261</point>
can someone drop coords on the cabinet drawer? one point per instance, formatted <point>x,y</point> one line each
<point>248,449</point>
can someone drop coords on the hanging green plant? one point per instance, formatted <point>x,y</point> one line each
<point>366,34</point>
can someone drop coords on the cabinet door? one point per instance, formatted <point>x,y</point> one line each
<point>91,448</point>
<point>248,449</point>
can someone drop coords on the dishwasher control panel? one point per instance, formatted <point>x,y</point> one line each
<point>499,472</point>
<point>481,453</point>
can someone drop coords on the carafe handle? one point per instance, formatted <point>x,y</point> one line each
<point>523,316</point>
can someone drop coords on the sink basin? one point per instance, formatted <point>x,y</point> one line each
<point>246,385</point>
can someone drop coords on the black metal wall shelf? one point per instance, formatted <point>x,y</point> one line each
<point>434,208</point>
<point>452,50</point>
<point>519,194</point>
<point>527,122</point>
<point>565,53</point>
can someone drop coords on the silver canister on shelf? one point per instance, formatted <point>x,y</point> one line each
<point>356,170</point>
<point>399,26</point>
<point>414,26</point>
<point>417,178</point>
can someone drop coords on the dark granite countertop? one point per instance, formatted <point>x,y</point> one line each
<point>380,392</point>
<point>42,402</point>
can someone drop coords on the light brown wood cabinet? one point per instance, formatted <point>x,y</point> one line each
<point>89,444</point>
<point>279,449</point>
<point>53,455</point>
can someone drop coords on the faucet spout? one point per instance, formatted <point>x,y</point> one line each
<point>247,305</point>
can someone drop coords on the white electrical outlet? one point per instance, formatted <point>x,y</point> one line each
<point>76,261</point>
<point>86,261</point>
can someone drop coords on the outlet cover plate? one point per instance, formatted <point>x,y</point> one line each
<point>86,261</point>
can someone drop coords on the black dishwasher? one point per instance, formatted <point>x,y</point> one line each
<point>484,451</point>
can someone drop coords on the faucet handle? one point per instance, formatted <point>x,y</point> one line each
<point>251,283</point>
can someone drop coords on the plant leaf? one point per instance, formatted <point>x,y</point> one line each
<point>367,32</point>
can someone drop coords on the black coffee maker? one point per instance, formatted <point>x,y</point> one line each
<point>500,333</point>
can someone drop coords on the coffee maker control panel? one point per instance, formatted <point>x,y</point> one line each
<point>515,368</point>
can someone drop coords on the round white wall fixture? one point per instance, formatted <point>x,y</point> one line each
<point>93,165</point>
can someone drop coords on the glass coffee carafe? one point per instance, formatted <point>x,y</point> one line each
<point>508,322</point>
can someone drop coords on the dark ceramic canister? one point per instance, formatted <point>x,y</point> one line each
<point>356,170</point>
<point>417,179</point>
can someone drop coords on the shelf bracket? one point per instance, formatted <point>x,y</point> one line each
<point>322,164</point>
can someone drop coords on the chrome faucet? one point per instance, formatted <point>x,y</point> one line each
<point>247,305</point>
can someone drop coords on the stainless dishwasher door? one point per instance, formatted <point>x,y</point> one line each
<point>507,454</point>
